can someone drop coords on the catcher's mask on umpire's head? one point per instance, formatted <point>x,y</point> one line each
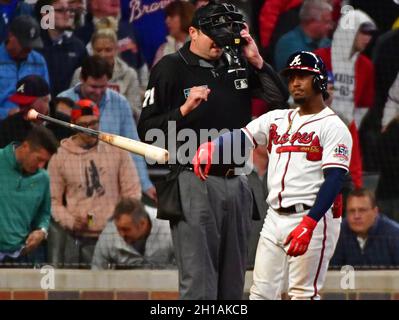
<point>308,61</point>
<point>220,22</point>
<point>223,24</point>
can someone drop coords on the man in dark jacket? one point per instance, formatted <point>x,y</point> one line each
<point>367,238</point>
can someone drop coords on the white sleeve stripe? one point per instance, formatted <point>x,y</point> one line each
<point>250,137</point>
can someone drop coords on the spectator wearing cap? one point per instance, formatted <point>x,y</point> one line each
<point>25,195</point>
<point>18,59</point>
<point>353,74</point>
<point>92,176</point>
<point>32,92</point>
<point>367,238</point>
<point>116,113</point>
<point>59,44</point>
<point>134,238</point>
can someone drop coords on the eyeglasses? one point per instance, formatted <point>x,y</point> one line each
<point>64,10</point>
<point>90,124</point>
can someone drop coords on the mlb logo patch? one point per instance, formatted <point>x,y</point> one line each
<point>241,84</point>
<point>341,151</point>
<point>187,90</point>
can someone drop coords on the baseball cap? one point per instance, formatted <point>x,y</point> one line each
<point>84,107</point>
<point>28,89</point>
<point>26,29</point>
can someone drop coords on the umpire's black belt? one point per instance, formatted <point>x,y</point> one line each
<point>293,209</point>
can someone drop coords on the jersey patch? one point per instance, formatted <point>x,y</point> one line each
<point>241,84</point>
<point>341,151</point>
<point>187,90</point>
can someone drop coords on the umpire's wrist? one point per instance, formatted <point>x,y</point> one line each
<point>257,62</point>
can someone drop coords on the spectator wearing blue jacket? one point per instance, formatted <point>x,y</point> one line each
<point>116,113</point>
<point>367,238</point>
<point>18,59</point>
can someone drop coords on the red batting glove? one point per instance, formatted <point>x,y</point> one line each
<point>203,157</point>
<point>300,237</point>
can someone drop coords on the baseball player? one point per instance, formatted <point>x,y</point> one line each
<point>309,152</point>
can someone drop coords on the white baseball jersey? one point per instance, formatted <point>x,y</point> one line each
<point>299,148</point>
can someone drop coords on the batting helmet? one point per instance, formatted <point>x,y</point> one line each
<point>308,61</point>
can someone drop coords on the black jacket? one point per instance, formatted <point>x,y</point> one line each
<point>63,58</point>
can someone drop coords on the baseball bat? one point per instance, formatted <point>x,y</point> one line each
<point>146,150</point>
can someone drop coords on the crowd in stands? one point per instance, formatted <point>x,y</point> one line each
<point>70,200</point>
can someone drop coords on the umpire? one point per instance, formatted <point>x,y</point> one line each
<point>208,84</point>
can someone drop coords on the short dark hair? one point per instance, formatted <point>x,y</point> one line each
<point>95,67</point>
<point>41,137</point>
<point>185,10</point>
<point>131,207</point>
<point>55,101</point>
<point>363,192</point>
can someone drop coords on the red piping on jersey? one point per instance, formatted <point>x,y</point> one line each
<point>282,180</point>
<point>280,199</point>
<point>251,136</point>
<point>323,247</point>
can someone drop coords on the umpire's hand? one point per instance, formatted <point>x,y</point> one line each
<point>250,49</point>
<point>194,99</point>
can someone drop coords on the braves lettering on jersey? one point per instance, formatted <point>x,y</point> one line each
<point>298,147</point>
